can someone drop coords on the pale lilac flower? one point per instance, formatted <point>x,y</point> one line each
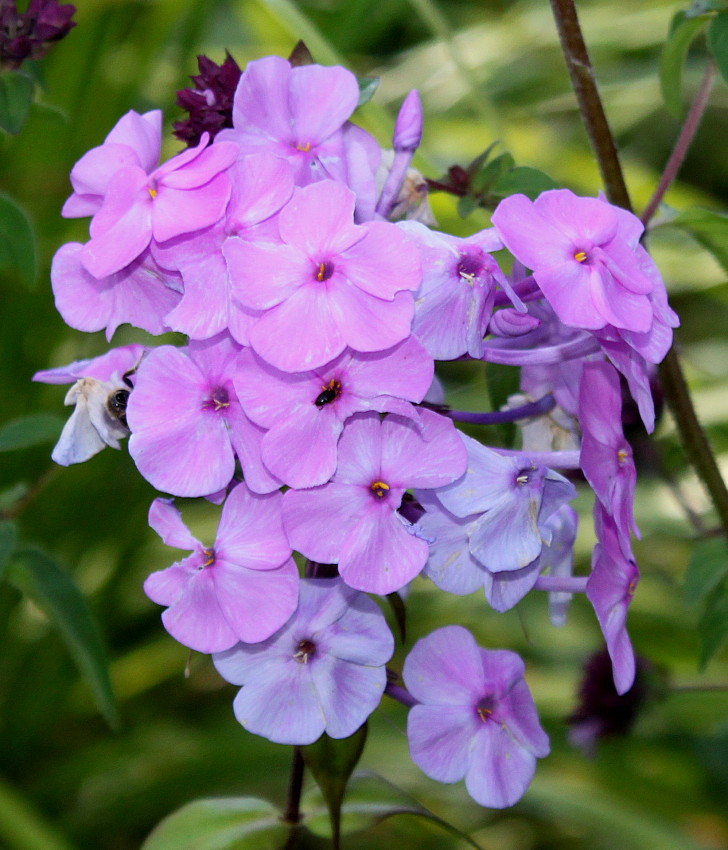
<point>514,498</point>
<point>109,366</point>
<point>476,718</point>
<point>322,672</point>
<point>354,520</point>
<point>135,140</point>
<point>583,253</point>
<point>329,283</point>
<point>141,294</point>
<point>610,588</point>
<point>188,192</point>
<point>606,456</point>
<point>305,411</point>
<point>242,588</point>
<point>187,424</point>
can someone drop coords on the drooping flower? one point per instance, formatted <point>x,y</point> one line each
<point>323,671</point>
<point>583,254</point>
<point>242,588</point>
<point>327,284</point>
<point>305,412</point>
<point>354,520</point>
<point>476,718</point>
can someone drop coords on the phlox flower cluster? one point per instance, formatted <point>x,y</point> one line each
<point>315,297</point>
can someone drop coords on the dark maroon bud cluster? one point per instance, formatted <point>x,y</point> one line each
<point>31,34</point>
<point>210,102</point>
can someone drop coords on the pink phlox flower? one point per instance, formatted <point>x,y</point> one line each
<point>353,520</point>
<point>323,671</point>
<point>187,423</point>
<point>606,456</point>
<point>188,192</point>
<point>111,365</point>
<point>327,284</point>
<point>242,588</point>
<point>513,498</point>
<point>476,718</point>
<point>135,140</point>
<point>610,588</point>
<point>584,257</point>
<point>454,303</point>
<point>305,412</point>
<point>141,294</point>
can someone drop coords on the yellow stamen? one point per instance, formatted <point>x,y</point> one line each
<point>209,557</point>
<point>484,713</point>
<point>153,193</point>
<point>632,587</point>
<point>304,148</point>
<point>580,256</point>
<point>622,455</point>
<point>321,271</point>
<point>379,488</point>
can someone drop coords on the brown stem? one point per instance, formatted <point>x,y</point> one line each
<point>590,104</point>
<point>292,814</point>
<point>684,140</point>
<point>673,381</point>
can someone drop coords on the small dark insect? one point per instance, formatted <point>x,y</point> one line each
<point>116,405</point>
<point>330,393</point>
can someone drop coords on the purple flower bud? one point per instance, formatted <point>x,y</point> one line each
<point>408,127</point>
<point>30,34</point>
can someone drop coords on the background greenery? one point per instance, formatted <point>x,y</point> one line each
<point>486,71</point>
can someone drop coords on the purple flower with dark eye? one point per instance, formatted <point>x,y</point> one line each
<point>584,257</point>
<point>476,718</point>
<point>305,411</point>
<point>354,520</point>
<point>243,587</point>
<point>187,423</point>
<point>327,284</point>
<point>321,672</point>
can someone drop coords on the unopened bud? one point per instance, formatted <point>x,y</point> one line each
<point>408,127</point>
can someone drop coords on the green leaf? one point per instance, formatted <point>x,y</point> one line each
<point>700,7</point>
<point>713,625</point>
<point>17,241</point>
<point>332,762</point>
<point>32,430</point>
<point>707,568</point>
<point>16,95</point>
<point>484,178</point>
<point>232,823</point>
<point>367,87</point>
<point>708,228</point>
<point>7,542</point>
<point>372,799</point>
<point>38,576</point>
<point>502,382</point>
<point>718,42</point>
<point>528,181</point>
<point>672,60</point>
<point>466,205</point>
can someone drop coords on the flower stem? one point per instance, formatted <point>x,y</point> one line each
<point>534,408</point>
<point>684,140</point>
<point>400,694</point>
<point>562,584</point>
<point>292,814</point>
<point>592,112</point>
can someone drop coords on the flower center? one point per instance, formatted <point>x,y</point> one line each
<point>469,267</point>
<point>329,392</point>
<point>304,650</point>
<point>209,558</point>
<point>153,193</point>
<point>580,256</point>
<point>217,400</point>
<point>522,479</point>
<point>484,709</point>
<point>622,456</point>
<point>304,148</point>
<point>379,489</point>
<point>324,271</point>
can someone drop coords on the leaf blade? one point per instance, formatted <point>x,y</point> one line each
<point>672,60</point>
<point>17,242</point>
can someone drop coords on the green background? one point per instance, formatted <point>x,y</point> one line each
<point>486,71</point>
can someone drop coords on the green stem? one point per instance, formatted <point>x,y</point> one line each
<point>292,814</point>
<point>592,112</point>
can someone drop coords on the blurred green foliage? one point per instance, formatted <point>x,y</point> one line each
<point>487,71</point>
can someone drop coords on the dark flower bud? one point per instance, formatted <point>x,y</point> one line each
<point>210,102</point>
<point>31,34</point>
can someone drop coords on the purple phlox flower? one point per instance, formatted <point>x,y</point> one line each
<point>514,498</point>
<point>454,304</point>
<point>583,254</point>
<point>261,185</point>
<point>305,412</point>
<point>327,284</point>
<point>553,431</point>
<point>100,392</point>
<point>610,588</point>
<point>322,672</point>
<point>32,33</point>
<point>187,423</point>
<point>210,102</point>
<point>452,566</point>
<point>476,718</point>
<point>557,559</point>
<point>606,456</point>
<point>353,520</point>
<point>186,193</point>
<point>242,588</point>
<point>135,140</point>
<point>296,113</point>
<point>141,294</point>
